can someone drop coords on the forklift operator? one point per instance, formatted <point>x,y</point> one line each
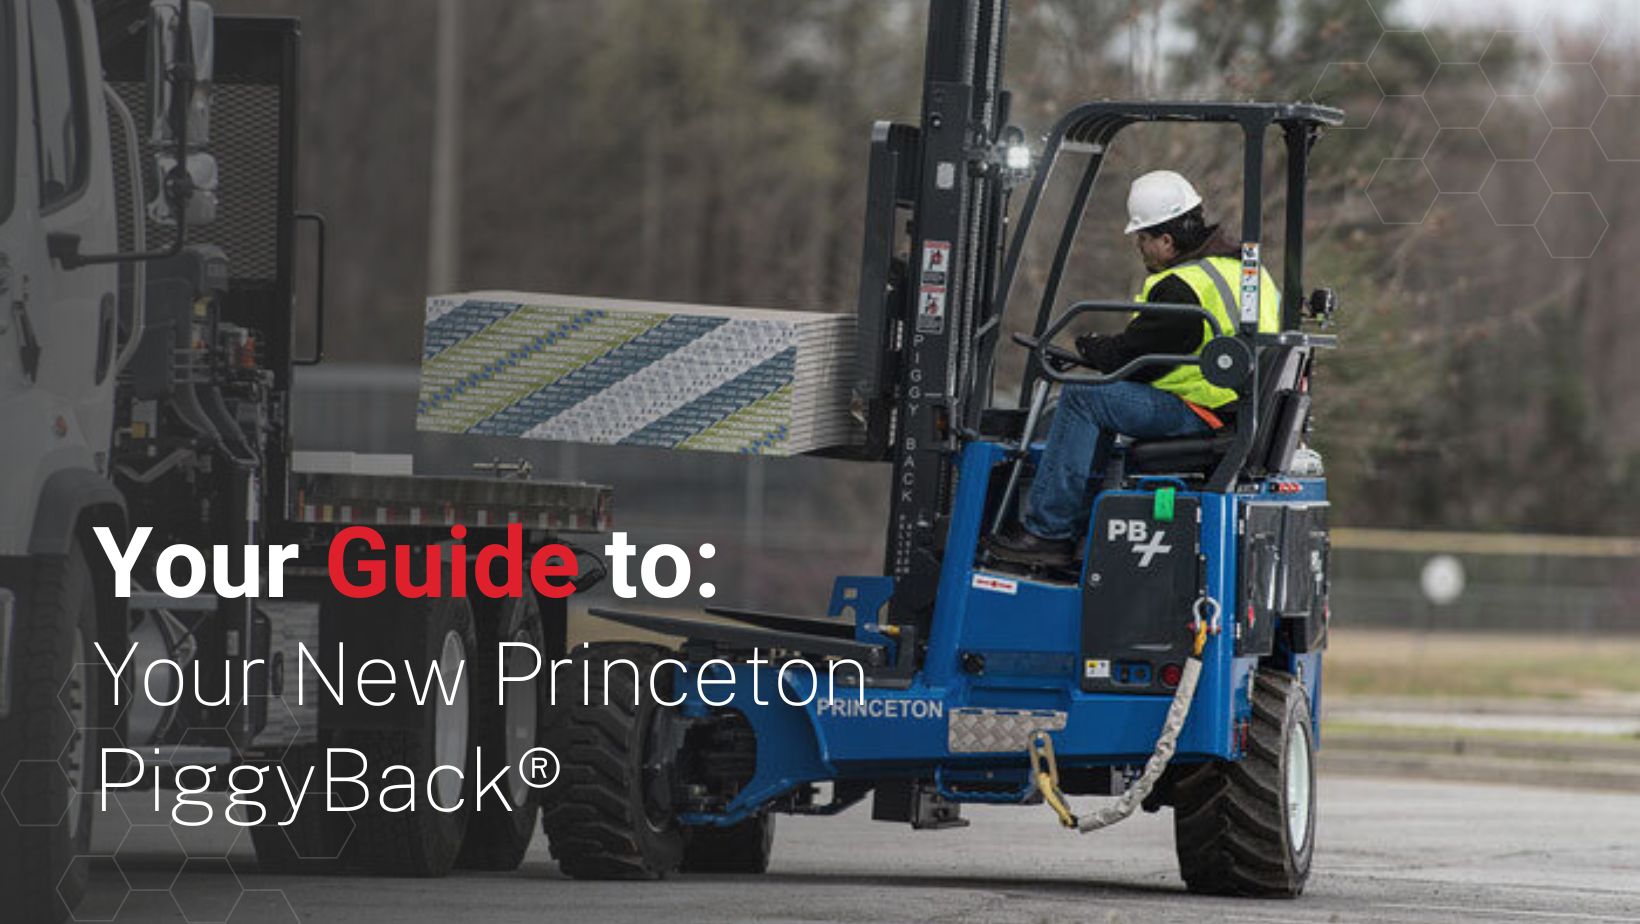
<point>1191,263</point>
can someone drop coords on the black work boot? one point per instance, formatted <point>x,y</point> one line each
<point>1020,546</point>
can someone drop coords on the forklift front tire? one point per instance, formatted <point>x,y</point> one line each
<point>609,815</point>
<point>741,848</point>
<point>1248,828</point>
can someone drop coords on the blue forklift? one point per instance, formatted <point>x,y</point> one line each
<point>1177,665</point>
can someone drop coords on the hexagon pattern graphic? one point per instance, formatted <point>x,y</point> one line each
<point>1402,191</point>
<point>1568,157</point>
<point>1459,160</point>
<point>1572,226</point>
<point>1410,126</point>
<point>155,869</point>
<point>264,906</point>
<point>1619,113</point>
<point>1459,96</point>
<point>107,889</point>
<point>1350,86</point>
<point>1515,127</point>
<point>1515,193</point>
<point>1571,95</point>
<point>207,890</point>
<point>1516,116</point>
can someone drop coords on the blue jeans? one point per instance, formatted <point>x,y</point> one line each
<point>1079,444</point>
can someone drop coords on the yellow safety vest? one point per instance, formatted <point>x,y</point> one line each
<point>1215,282</point>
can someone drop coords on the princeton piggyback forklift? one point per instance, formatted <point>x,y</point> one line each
<point>1178,665</point>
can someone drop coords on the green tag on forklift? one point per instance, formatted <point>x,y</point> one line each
<point>1163,512</point>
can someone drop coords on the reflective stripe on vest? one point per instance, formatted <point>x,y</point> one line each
<point>1209,279</point>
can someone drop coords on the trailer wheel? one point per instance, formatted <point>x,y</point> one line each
<point>609,816</point>
<point>424,843</point>
<point>741,848</point>
<point>1248,828</point>
<point>49,753</point>
<point>497,838</point>
<point>315,840</point>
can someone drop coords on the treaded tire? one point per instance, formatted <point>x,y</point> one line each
<point>316,841</point>
<point>1230,820</point>
<point>595,816</point>
<point>37,847</point>
<point>498,839</point>
<point>423,843</point>
<point>741,848</point>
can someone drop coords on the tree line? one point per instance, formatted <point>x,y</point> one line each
<point>1473,214</point>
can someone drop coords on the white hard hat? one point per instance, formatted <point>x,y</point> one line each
<point>1157,197</point>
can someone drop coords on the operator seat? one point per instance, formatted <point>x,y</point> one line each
<point>1284,407</point>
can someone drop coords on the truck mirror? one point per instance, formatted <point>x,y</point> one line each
<point>199,195</point>
<point>181,64</point>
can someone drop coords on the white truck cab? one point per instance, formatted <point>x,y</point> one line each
<point>64,326</point>
<point>144,382</point>
<point>58,326</point>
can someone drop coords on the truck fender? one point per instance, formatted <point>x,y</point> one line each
<point>66,495</point>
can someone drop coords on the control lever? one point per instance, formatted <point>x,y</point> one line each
<point>1062,357</point>
<point>1039,399</point>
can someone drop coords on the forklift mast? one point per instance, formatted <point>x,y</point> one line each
<point>921,300</point>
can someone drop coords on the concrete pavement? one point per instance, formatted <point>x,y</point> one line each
<point>1388,851</point>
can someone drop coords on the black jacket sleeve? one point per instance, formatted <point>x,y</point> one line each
<point>1147,334</point>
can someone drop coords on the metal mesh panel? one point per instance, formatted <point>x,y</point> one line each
<point>245,141</point>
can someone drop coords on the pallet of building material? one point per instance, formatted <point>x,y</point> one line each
<point>616,372</point>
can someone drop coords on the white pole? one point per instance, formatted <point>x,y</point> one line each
<point>444,218</point>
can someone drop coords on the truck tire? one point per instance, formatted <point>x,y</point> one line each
<point>497,838</point>
<point>609,815</point>
<point>1248,828</point>
<point>49,751</point>
<point>423,843</point>
<point>316,841</point>
<point>741,848</point>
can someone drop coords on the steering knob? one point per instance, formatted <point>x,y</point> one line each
<point>1227,362</point>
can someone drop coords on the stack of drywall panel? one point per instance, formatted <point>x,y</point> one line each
<point>596,370</point>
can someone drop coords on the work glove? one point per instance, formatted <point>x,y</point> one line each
<point>1060,363</point>
<point>1085,345</point>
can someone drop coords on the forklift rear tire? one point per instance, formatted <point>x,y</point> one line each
<point>48,756</point>
<point>742,848</point>
<point>497,838</point>
<point>423,843</point>
<point>1248,828</point>
<point>609,815</point>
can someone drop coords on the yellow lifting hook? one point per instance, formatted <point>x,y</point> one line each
<point>1047,777</point>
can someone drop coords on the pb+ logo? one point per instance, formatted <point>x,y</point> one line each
<point>1146,545</point>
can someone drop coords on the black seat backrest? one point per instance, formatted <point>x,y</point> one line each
<point>1282,411</point>
<point>1280,370</point>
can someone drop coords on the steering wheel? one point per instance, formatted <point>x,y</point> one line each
<point>1058,354</point>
